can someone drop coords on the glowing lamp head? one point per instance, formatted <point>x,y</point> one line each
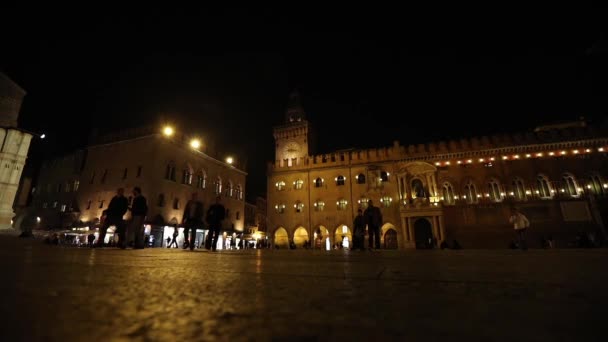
<point>168,131</point>
<point>195,143</point>
<point>229,160</point>
<point>42,136</point>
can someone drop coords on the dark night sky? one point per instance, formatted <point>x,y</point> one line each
<point>367,78</point>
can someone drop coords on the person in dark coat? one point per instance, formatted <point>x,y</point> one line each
<point>215,215</point>
<point>116,210</point>
<point>373,219</point>
<point>139,210</point>
<point>192,219</point>
<point>359,231</point>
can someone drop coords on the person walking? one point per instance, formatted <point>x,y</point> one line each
<point>116,210</point>
<point>373,219</point>
<point>192,219</point>
<point>520,224</point>
<point>359,231</point>
<point>215,215</point>
<point>139,210</point>
<point>175,235</point>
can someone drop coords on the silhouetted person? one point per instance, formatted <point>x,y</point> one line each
<point>192,220</point>
<point>116,210</point>
<point>373,219</point>
<point>91,239</point>
<point>359,231</point>
<point>139,210</point>
<point>175,235</point>
<point>215,215</point>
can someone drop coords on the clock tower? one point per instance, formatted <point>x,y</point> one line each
<point>292,139</point>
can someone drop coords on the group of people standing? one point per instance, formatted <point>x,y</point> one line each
<point>372,218</point>
<point>192,219</point>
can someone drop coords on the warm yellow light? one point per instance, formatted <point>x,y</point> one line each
<point>195,143</point>
<point>601,149</point>
<point>575,151</point>
<point>587,150</point>
<point>168,131</point>
<point>516,156</point>
<point>229,160</point>
<point>437,163</point>
<point>551,153</point>
<point>527,192</point>
<point>481,160</point>
<point>38,219</point>
<point>469,161</point>
<point>458,162</point>
<point>563,152</point>
<point>504,157</point>
<point>605,185</point>
<point>492,159</point>
<point>539,154</point>
<point>588,186</point>
<point>447,163</point>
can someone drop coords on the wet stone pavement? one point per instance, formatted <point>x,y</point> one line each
<point>51,293</point>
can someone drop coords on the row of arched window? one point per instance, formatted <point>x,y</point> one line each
<point>541,188</point>
<point>200,181</point>
<point>341,204</point>
<point>339,181</point>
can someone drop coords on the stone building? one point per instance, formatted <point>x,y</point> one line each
<point>166,168</point>
<point>15,144</point>
<point>450,190</point>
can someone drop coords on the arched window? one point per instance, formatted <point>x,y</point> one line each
<point>519,192</point>
<point>384,176</point>
<point>363,202</point>
<point>298,184</point>
<point>596,186</point>
<point>340,180</point>
<point>161,200</point>
<point>299,206</point>
<point>319,205</point>
<point>418,189</point>
<point>448,194</point>
<point>360,178</point>
<point>318,182</point>
<point>176,203</point>
<point>187,176</point>
<point>470,193</point>
<point>239,192</point>
<point>201,180</point>
<point>543,187</point>
<point>386,201</point>
<point>218,186</point>
<point>570,185</point>
<point>170,171</point>
<point>280,208</point>
<point>494,190</point>
<point>342,203</point>
<point>280,185</point>
<point>228,191</point>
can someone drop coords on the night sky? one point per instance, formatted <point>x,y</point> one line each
<point>366,78</point>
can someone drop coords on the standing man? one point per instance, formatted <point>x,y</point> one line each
<point>215,215</point>
<point>520,224</point>
<point>192,219</point>
<point>116,210</point>
<point>373,219</point>
<point>359,226</point>
<point>139,210</point>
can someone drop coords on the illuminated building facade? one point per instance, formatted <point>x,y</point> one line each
<point>430,193</point>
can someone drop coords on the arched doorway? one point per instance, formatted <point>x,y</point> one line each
<point>389,236</point>
<point>423,234</point>
<point>343,237</point>
<point>300,237</point>
<point>390,239</point>
<point>281,239</point>
<point>322,239</point>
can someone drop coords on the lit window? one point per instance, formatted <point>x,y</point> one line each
<point>386,201</point>
<point>448,194</point>
<point>384,176</point>
<point>319,205</point>
<point>570,185</point>
<point>187,176</point>
<point>364,202</point>
<point>280,208</point>
<point>361,179</point>
<point>239,192</point>
<point>470,193</point>
<point>340,180</point>
<point>280,185</point>
<point>63,207</point>
<point>299,206</point>
<point>44,205</point>
<point>228,191</point>
<point>318,182</point>
<point>298,184</point>
<point>494,191</point>
<point>342,203</point>
<point>543,187</point>
<point>76,185</point>
<point>519,192</point>
<point>55,204</point>
<point>67,187</point>
<point>170,172</point>
<point>218,186</point>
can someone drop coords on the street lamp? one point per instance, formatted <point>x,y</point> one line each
<point>229,160</point>
<point>195,143</point>
<point>168,131</point>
